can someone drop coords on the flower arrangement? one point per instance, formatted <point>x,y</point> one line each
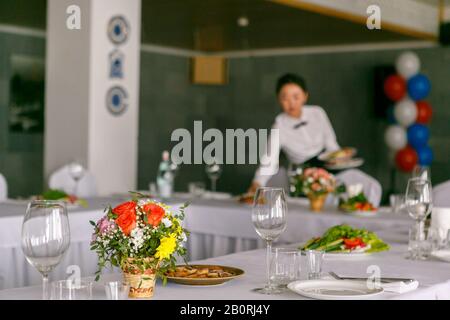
<point>142,237</point>
<point>317,181</point>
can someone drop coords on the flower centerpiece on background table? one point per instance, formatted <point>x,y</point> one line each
<point>317,183</point>
<point>142,237</point>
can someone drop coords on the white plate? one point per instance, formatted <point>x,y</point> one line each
<point>325,155</point>
<point>363,214</point>
<point>334,289</point>
<point>352,163</point>
<point>217,195</point>
<point>443,255</point>
<point>346,255</point>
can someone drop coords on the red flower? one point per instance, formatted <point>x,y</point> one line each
<point>126,219</point>
<point>154,213</point>
<point>126,207</point>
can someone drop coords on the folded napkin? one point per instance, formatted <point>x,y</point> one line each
<point>440,220</point>
<point>400,286</point>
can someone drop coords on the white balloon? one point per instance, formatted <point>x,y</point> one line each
<point>405,112</point>
<point>408,64</point>
<point>396,137</point>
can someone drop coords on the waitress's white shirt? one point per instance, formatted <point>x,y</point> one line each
<point>299,144</point>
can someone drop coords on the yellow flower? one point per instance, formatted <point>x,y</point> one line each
<point>166,247</point>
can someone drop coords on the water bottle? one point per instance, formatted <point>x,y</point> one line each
<point>164,179</point>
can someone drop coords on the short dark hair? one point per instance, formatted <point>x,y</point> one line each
<point>290,78</point>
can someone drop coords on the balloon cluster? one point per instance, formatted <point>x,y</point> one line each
<point>408,134</point>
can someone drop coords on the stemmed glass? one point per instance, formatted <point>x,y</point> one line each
<point>269,219</point>
<point>76,172</point>
<point>418,203</point>
<point>45,237</point>
<point>422,172</point>
<point>213,170</point>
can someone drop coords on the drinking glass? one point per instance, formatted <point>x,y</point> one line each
<point>422,242</point>
<point>213,170</point>
<point>418,203</point>
<point>76,172</point>
<point>397,202</point>
<point>314,260</point>
<point>269,219</point>
<point>117,290</point>
<point>422,172</point>
<point>72,289</point>
<point>45,237</point>
<point>285,266</point>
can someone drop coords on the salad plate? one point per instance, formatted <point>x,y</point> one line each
<point>362,214</point>
<point>334,289</point>
<point>343,241</point>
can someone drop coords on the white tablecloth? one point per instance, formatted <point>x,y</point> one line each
<point>433,277</point>
<point>218,227</point>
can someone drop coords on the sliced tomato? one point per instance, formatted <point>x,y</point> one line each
<point>353,243</point>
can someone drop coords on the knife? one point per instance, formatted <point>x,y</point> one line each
<point>382,279</point>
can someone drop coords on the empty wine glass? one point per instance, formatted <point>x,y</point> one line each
<point>422,172</point>
<point>45,237</point>
<point>213,170</point>
<point>418,203</point>
<point>76,172</point>
<point>269,219</point>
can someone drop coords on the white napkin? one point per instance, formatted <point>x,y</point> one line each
<point>440,220</point>
<point>400,286</point>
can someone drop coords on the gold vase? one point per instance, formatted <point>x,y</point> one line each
<point>142,282</point>
<point>316,202</point>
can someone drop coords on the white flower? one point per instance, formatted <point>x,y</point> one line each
<point>354,189</point>
<point>183,237</point>
<point>142,202</point>
<point>167,222</point>
<point>137,238</point>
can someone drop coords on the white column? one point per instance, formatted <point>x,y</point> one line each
<point>78,121</point>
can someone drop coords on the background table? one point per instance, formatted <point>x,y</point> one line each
<point>218,227</point>
<point>221,227</point>
<point>433,277</point>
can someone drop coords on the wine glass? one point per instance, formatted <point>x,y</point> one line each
<point>269,219</point>
<point>213,170</point>
<point>76,172</point>
<point>418,203</point>
<point>45,237</point>
<point>422,172</point>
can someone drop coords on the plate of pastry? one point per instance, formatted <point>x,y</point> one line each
<point>202,274</point>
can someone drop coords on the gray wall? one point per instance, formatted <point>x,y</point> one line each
<point>342,83</point>
<point>21,155</point>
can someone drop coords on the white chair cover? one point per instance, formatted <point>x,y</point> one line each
<point>372,188</point>
<point>441,195</point>
<point>279,180</point>
<point>61,179</point>
<point>3,188</point>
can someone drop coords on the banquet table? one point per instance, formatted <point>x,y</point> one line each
<point>218,227</point>
<point>433,277</point>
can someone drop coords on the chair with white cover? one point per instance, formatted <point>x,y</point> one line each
<point>279,180</point>
<point>441,194</point>
<point>3,188</point>
<point>61,179</point>
<point>371,186</point>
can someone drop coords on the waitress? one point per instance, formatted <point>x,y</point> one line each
<point>304,130</point>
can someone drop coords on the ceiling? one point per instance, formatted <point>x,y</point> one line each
<point>211,25</point>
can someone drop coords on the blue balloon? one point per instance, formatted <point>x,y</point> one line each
<point>390,115</point>
<point>419,87</point>
<point>425,155</point>
<point>418,135</point>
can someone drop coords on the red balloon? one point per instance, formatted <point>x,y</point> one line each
<point>395,87</point>
<point>424,112</point>
<point>406,159</point>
